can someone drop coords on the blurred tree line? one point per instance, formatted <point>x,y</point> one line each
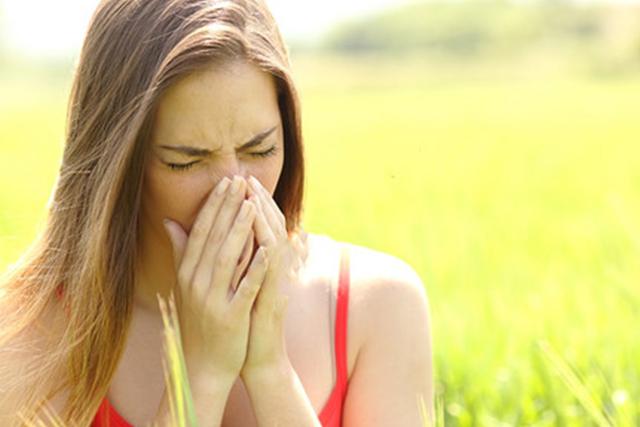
<point>607,35</point>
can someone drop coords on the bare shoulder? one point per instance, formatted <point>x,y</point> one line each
<point>394,367</point>
<point>384,266</point>
<point>382,286</point>
<point>381,278</point>
<point>371,271</point>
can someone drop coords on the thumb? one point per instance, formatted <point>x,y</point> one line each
<point>178,239</point>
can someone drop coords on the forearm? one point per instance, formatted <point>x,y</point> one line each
<point>278,399</point>
<point>209,400</point>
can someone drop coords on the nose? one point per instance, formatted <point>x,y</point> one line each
<point>230,176</point>
<point>236,171</point>
<point>229,168</point>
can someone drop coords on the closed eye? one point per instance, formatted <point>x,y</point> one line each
<point>269,152</point>
<point>177,166</point>
<point>184,166</point>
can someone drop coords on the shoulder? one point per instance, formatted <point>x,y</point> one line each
<point>382,288</point>
<point>380,278</point>
<point>376,277</point>
<point>394,363</point>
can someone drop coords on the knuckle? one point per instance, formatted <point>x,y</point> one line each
<point>245,204</point>
<point>197,294</point>
<point>199,287</point>
<point>200,228</point>
<point>183,277</point>
<point>255,282</point>
<point>226,323</point>
<point>240,224</point>
<point>216,236</point>
<point>215,312</point>
<point>222,260</point>
<point>246,291</point>
<point>268,251</point>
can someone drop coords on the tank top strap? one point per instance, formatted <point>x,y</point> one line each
<point>341,321</point>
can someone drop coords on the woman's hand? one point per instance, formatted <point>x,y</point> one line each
<point>267,348</point>
<point>214,320</point>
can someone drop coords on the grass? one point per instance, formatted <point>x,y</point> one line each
<point>513,192</point>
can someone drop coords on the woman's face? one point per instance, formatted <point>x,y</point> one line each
<point>221,121</point>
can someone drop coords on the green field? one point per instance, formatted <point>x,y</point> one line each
<point>513,192</point>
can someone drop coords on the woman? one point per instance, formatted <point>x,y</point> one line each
<point>172,101</point>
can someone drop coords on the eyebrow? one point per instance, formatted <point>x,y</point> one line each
<point>201,152</point>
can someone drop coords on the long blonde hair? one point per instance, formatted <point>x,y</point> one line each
<point>133,51</point>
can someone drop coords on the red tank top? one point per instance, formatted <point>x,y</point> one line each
<point>331,414</point>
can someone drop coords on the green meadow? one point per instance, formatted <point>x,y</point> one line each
<point>513,191</point>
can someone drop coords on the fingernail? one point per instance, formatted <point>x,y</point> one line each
<point>253,181</point>
<point>235,186</point>
<point>166,222</point>
<point>246,209</point>
<point>223,185</point>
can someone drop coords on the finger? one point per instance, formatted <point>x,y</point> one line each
<point>250,285</point>
<point>269,218</point>
<point>201,229</point>
<point>227,258</point>
<point>268,241</point>
<point>269,290</point>
<point>264,235</point>
<point>178,239</point>
<point>244,262</point>
<point>267,299</point>
<point>234,281</point>
<point>219,232</point>
<point>270,208</point>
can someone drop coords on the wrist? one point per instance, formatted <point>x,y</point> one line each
<point>200,371</point>
<point>267,374</point>
<point>210,384</point>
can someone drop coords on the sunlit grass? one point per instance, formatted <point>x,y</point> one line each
<point>175,371</point>
<point>513,194</point>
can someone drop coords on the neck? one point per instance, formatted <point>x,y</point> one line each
<point>155,273</point>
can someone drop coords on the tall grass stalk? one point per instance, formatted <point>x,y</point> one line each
<point>424,413</point>
<point>175,372</point>
<point>578,388</point>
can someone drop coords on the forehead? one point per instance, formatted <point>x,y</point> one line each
<point>223,100</point>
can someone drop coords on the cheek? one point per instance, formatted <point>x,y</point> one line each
<point>175,196</point>
<point>268,173</point>
<point>268,177</point>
